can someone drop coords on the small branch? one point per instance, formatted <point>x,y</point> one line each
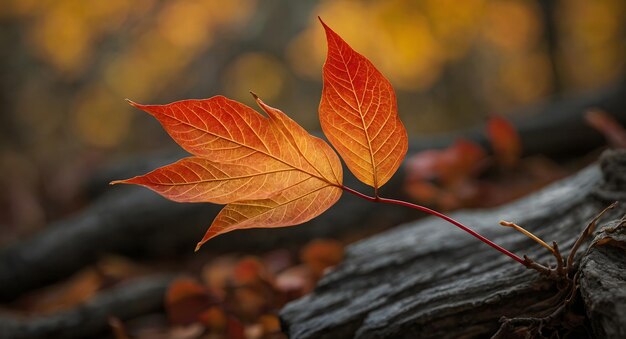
<point>439,215</point>
<point>585,234</point>
<point>559,260</point>
<point>537,266</point>
<point>528,234</point>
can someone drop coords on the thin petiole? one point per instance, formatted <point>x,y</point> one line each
<point>585,234</point>
<point>439,215</point>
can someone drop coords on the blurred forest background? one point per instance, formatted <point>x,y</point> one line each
<point>66,66</point>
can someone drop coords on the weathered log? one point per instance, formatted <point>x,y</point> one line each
<point>603,285</point>
<point>127,301</point>
<point>429,280</point>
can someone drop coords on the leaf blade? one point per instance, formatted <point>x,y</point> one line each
<point>292,206</point>
<point>268,170</point>
<point>312,149</point>
<point>358,114</point>
<point>215,128</point>
<point>196,179</point>
<point>229,140</point>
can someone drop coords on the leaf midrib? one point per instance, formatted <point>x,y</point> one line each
<point>218,179</point>
<point>369,143</point>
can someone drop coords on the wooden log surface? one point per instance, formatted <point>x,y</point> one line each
<point>603,286</point>
<point>429,280</point>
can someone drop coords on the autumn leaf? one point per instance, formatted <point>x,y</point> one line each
<point>197,179</point>
<point>321,254</point>
<point>185,300</point>
<point>458,162</point>
<point>604,123</point>
<point>359,114</point>
<point>505,141</point>
<point>292,206</point>
<point>269,170</point>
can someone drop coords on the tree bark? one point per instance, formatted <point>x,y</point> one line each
<point>429,280</point>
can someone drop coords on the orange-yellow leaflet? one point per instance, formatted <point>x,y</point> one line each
<point>244,158</point>
<point>359,114</point>
<point>301,202</point>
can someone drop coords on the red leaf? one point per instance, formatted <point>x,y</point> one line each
<point>505,141</point>
<point>185,300</point>
<point>269,170</point>
<point>455,163</point>
<point>321,254</point>
<point>359,114</point>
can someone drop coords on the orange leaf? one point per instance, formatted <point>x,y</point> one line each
<point>322,253</point>
<point>248,271</point>
<point>451,165</point>
<point>239,153</point>
<point>292,206</point>
<point>214,318</point>
<point>505,141</point>
<point>270,324</point>
<point>185,300</point>
<point>359,114</point>
<point>269,170</point>
<point>196,179</point>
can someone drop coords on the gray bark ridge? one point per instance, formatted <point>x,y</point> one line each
<point>603,283</point>
<point>429,280</point>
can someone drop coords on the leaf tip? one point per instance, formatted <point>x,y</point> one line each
<point>138,180</point>
<point>132,103</point>
<point>326,28</point>
<point>198,247</point>
<point>256,97</point>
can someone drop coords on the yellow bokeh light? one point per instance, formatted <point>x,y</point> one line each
<point>99,119</point>
<point>63,38</point>
<point>185,23</point>
<point>512,25</point>
<point>454,24</point>
<point>592,51</point>
<point>399,41</point>
<point>258,72</point>
<point>527,78</point>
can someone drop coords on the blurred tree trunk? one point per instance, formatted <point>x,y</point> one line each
<point>548,16</point>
